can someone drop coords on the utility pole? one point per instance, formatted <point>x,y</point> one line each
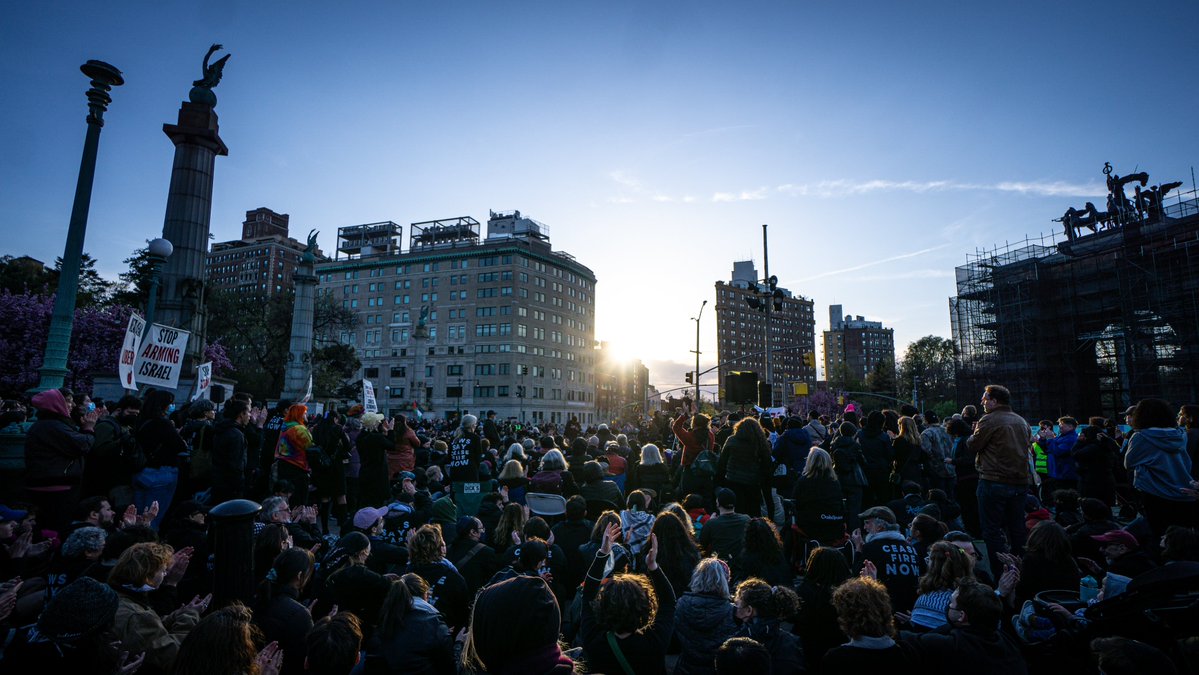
<point>769,306</point>
<point>697,318</point>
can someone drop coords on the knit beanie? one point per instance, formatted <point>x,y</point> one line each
<point>81,608</point>
<point>514,618</point>
<point>445,512</point>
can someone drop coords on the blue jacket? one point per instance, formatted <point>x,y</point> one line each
<point>1061,465</point>
<point>791,448</point>
<point>1160,463</point>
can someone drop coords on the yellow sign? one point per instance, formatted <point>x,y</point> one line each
<point>801,388</point>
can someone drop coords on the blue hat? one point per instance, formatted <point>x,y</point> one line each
<point>7,514</point>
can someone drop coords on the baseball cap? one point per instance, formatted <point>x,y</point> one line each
<point>880,512</point>
<point>7,514</point>
<point>1117,537</point>
<point>368,516</point>
<point>407,475</point>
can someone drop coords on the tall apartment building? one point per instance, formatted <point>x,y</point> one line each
<point>262,261</point>
<point>621,387</point>
<point>459,322</point>
<point>741,332</point>
<point>853,347</point>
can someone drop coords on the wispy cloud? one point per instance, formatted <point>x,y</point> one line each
<point>742,196</point>
<point>850,188</point>
<point>910,274</point>
<point>872,263</point>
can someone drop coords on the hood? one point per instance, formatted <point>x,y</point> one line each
<point>636,518</point>
<point>52,401</point>
<point>1171,441</point>
<point>893,535</point>
<point>703,612</point>
<point>794,434</point>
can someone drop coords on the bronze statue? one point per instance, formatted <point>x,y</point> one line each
<point>1076,219</point>
<point>202,88</point>
<point>309,255</point>
<point>1149,201</point>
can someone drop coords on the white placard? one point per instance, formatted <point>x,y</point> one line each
<point>133,340</point>
<point>161,356</point>
<point>203,381</point>
<point>308,396</point>
<point>368,397</point>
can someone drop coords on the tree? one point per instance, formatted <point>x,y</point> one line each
<point>841,379</point>
<point>881,380</point>
<point>332,368</point>
<point>927,367</point>
<point>24,274</point>
<point>133,289</point>
<point>96,337</point>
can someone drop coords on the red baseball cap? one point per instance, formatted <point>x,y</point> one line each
<point>1117,537</point>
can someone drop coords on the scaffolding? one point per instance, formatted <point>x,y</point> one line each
<point>1088,324</point>
<point>443,233</point>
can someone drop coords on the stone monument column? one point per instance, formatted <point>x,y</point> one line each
<point>299,356</point>
<point>189,210</point>
<point>420,338</point>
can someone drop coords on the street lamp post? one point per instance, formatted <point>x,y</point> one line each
<point>58,343</point>
<point>697,318</point>
<point>158,252</point>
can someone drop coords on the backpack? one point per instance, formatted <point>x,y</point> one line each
<point>318,459</point>
<point>705,463</point>
<point>122,448</point>
<point>546,481</point>
<point>201,454</point>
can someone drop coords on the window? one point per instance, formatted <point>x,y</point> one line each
<point>484,392</point>
<point>453,392</point>
<point>453,370</point>
<point>486,293</point>
<point>370,372</point>
<point>484,369</point>
<point>399,371</point>
<point>506,291</point>
<point>501,390</point>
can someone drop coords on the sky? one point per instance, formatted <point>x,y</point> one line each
<point>881,142</point>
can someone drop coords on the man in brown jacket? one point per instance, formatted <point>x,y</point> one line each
<point>1001,440</point>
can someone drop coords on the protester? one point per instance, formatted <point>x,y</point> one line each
<point>1001,445</point>
<point>1157,456</point>
<point>412,637</point>
<point>745,466</point>
<point>291,453</point>
<point>816,621</point>
<point>514,629</point>
<point>864,614</point>
<point>819,500</point>
<point>703,617</point>
<point>761,609</point>
<point>724,535</point>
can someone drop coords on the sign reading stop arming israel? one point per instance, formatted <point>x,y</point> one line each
<point>368,397</point>
<point>133,340</point>
<point>161,356</point>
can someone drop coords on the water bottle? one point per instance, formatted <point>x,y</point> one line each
<point>1088,589</point>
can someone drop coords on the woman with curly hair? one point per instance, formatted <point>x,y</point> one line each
<point>512,521</point>
<point>864,614</point>
<point>761,609</point>
<point>223,642</point>
<point>704,617</point>
<point>628,618</point>
<point>447,588</point>
<point>947,565</point>
<point>762,556</point>
<point>677,552</point>
<point>816,622</point>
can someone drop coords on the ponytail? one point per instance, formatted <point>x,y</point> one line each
<point>288,566</point>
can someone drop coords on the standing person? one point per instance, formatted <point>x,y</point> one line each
<point>876,448</point>
<point>229,453</point>
<point>909,453</point>
<point>330,479</point>
<point>402,457</point>
<point>491,431</point>
<point>162,444</point>
<point>291,453</point>
<point>966,475</point>
<point>817,432</point>
<point>1000,443</point>
<point>938,452</point>
<point>1157,456</point>
<point>115,456</point>
<point>697,439</point>
<point>745,466</point>
<point>271,430</point>
<point>1095,456</point>
<point>373,485</point>
<point>1060,462</point>
<point>54,458</point>
<point>850,465</point>
<point>466,453</point>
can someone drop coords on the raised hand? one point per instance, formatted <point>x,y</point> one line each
<point>516,538</point>
<point>651,558</point>
<point>20,546</point>
<point>270,659</point>
<point>8,600</point>
<point>869,570</point>
<point>150,513</point>
<point>1007,582</point>
<point>178,567</point>
<point>611,534</point>
<point>856,539</point>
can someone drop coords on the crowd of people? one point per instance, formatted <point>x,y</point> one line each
<point>682,543</point>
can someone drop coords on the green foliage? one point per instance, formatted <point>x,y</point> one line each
<point>882,379</point>
<point>930,361</point>
<point>134,286</point>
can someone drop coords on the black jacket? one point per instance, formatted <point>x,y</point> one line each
<point>847,457</point>
<point>786,655</point>
<point>949,649</point>
<point>478,569</point>
<point>819,508</point>
<point>878,452</point>
<point>447,592</point>
<point>229,459</point>
<point>745,461</point>
<point>816,623</point>
<point>54,452</point>
<point>645,650</point>
<point>421,645</point>
<point>161,442</point>
<point>285,620</point>
<point>702,623</point>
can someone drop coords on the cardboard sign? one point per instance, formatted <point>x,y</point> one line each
<point>203,381</point>
<point>368,397</point>
<point>161,357</point>
<point>133,341</point>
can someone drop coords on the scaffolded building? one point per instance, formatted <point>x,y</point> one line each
<point>1087,323</point>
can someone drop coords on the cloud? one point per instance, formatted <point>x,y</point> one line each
<point>872,263</point>
<point>928,273</point>
<point>848,188</point>
<point>743,196</point>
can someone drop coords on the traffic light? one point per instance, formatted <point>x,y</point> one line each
<point>809,359</point>
<point>754,303</point>
<point>690,377</point>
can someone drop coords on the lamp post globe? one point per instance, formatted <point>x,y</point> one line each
<point>161,248</point>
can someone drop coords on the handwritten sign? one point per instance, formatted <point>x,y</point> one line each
<point>133,340</point>
<point>368,397</point>
<point>161,357</point>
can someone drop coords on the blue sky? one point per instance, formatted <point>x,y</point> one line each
<point>881,141</point>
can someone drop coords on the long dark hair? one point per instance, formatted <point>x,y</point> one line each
<point>677,551</point>
<point>826,568</point>
<point>395,608</point>
<point>288,566</point>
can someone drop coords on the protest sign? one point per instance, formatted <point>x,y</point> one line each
<point>203,381</point>
<point>133,340</point>
<point>161,357</point>
<point>368,397</point>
